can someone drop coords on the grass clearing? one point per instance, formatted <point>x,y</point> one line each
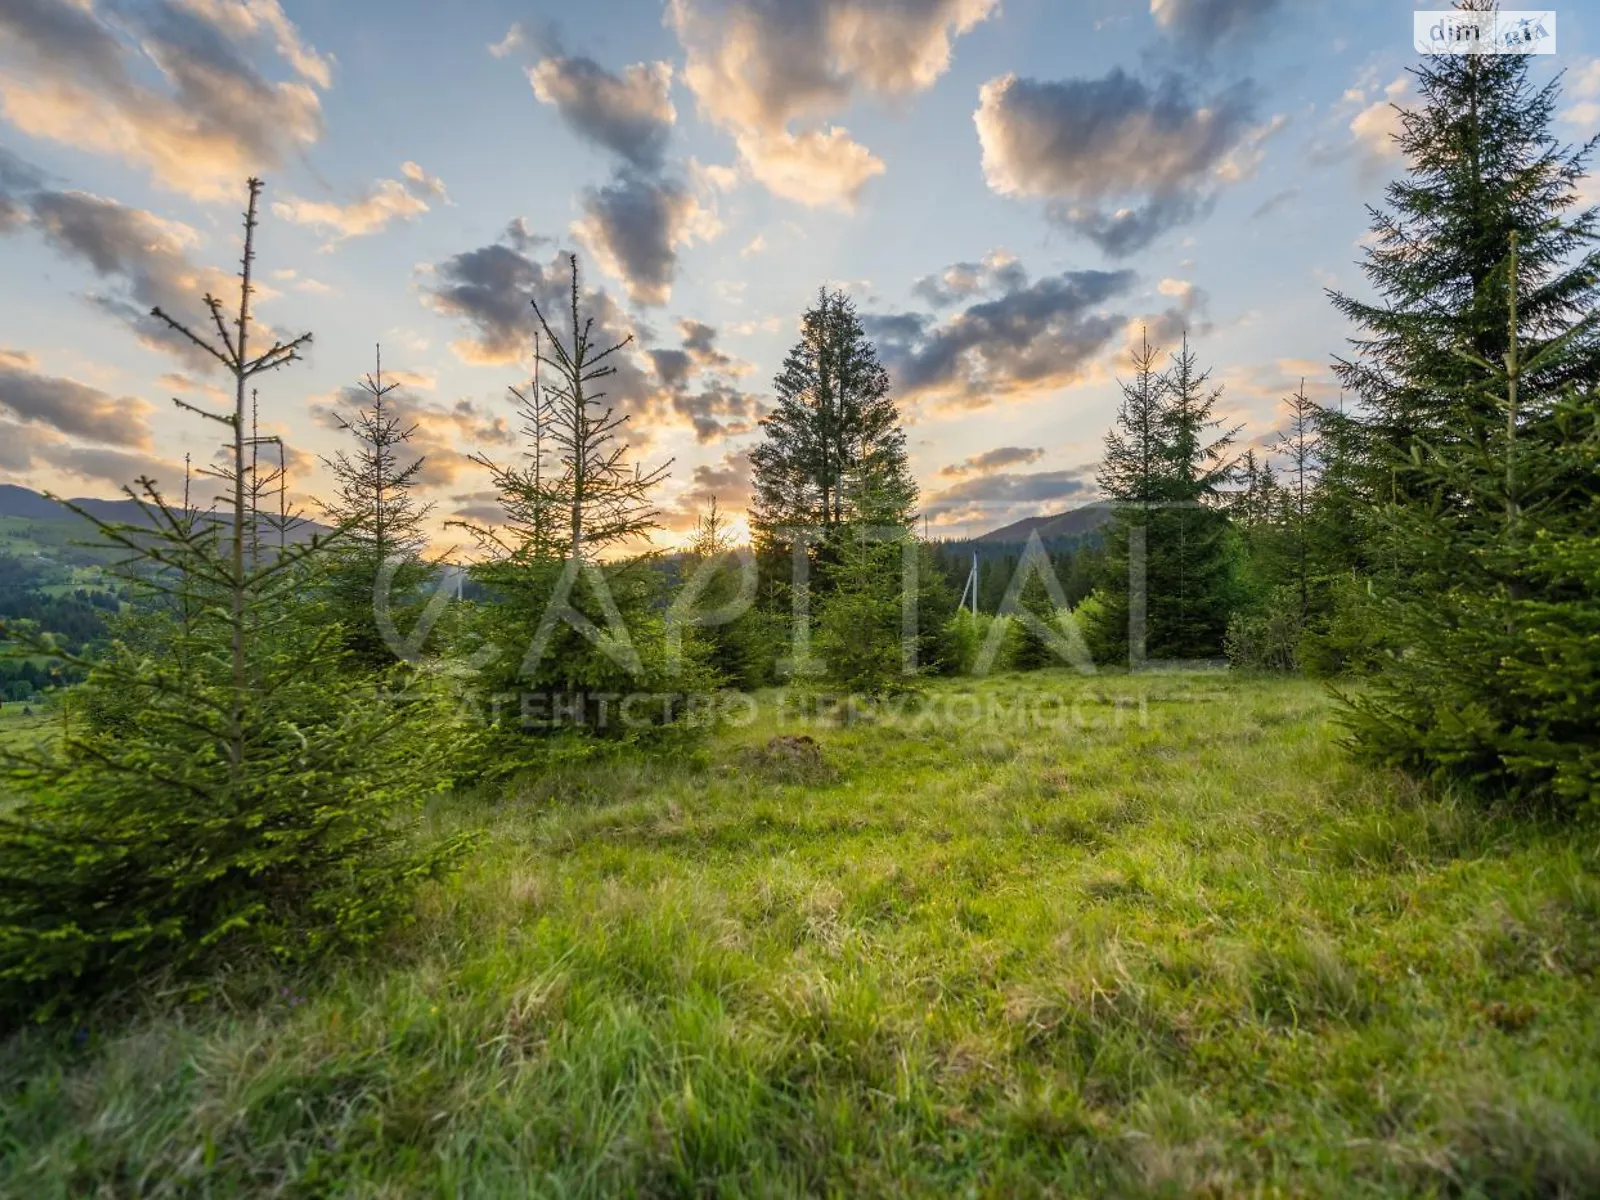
<point>1169,942</point>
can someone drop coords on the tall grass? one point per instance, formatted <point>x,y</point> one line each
<point>1172,943</point>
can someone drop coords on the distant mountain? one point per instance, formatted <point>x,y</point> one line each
<point>28,505</point>
<point>24,502</point>
<point>1075,523</point>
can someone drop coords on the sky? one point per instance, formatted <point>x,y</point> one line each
<point>1011,191</point>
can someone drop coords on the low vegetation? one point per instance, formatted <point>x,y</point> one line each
<point>1178,944</point>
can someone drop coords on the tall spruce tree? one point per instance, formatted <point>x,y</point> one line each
<point>833,451</point>
<point>1482,164</point>
<point>1165,472</point>
<point>1498,679</point>
<point>1474,445</point>
<point>1131,471</point>
<point>1130,477</point>
<point>1192,563</point>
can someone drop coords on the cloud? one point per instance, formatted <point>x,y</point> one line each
<point>515,38</point>
<point>1035,338</point>
<point>17,179</point>
<point>176,87</point>
<point>634,226</point>
<point>1202,24</point>
<point>22,445</point>
<point>1369,136</point>
<point>119,467</point>
<point>700,341</point>
<point>630,114</point>
<point>70,407</point>
<point>716,408</point>
<point>1188,313</point>
<point>421,181</point>
<point>991,461</point>
<point>386,201</point>
<point>1120,161</point>
<point>1375,127</point>
<point>728,480</point>
<point>1000,496</point>
<point>758,68</point>
<point>144,258</point>
<point>816,168</point>
<point>1582,84</point>
<point>999,271</point>
<point>488,289</point>
<point>28,448</point>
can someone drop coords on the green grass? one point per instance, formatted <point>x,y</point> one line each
<point>20,732</point>
<point>1179,946</point>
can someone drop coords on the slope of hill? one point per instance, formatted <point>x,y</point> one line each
<point>1073,523</point>
<point>31,522</point>
<point>35,506</point>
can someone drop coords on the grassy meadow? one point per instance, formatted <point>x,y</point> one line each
<point>1163,940</point>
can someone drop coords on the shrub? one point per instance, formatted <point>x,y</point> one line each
<point>1267,636</point>
<point>1348,638</point>
<point>173,826</point>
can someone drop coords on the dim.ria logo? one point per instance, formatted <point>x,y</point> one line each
<point>1508,31</point>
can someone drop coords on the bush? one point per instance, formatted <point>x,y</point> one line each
<point>1267,636</point>
<point>1349,636</point>
<point>611,643</point>
<point>171,828</point>
<point>965,635</point>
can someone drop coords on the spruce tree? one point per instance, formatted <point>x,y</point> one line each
<point>1174,507</point>
<point>1482,164</point>
<point>833,451</point>
<point>578,622</point>
<point>235,788</point>
<point>1130,477</point>
<point>377,567</point>
<point>1192,562</point>
<point>1476,369</point>
<point>1498,678</point>
<point>861,627</point>
<point>1131,471</point>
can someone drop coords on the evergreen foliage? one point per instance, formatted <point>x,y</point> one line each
<point>832,452</point>
<point>861,633</point>
<point>377,567</point>
<point>717,597</point>
<point>567,633</point>
<point>1166,469</point>
<point>237,787</point>
<point>1499,677</point>
<point>1473,449</point>
<point>1482,165</point>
